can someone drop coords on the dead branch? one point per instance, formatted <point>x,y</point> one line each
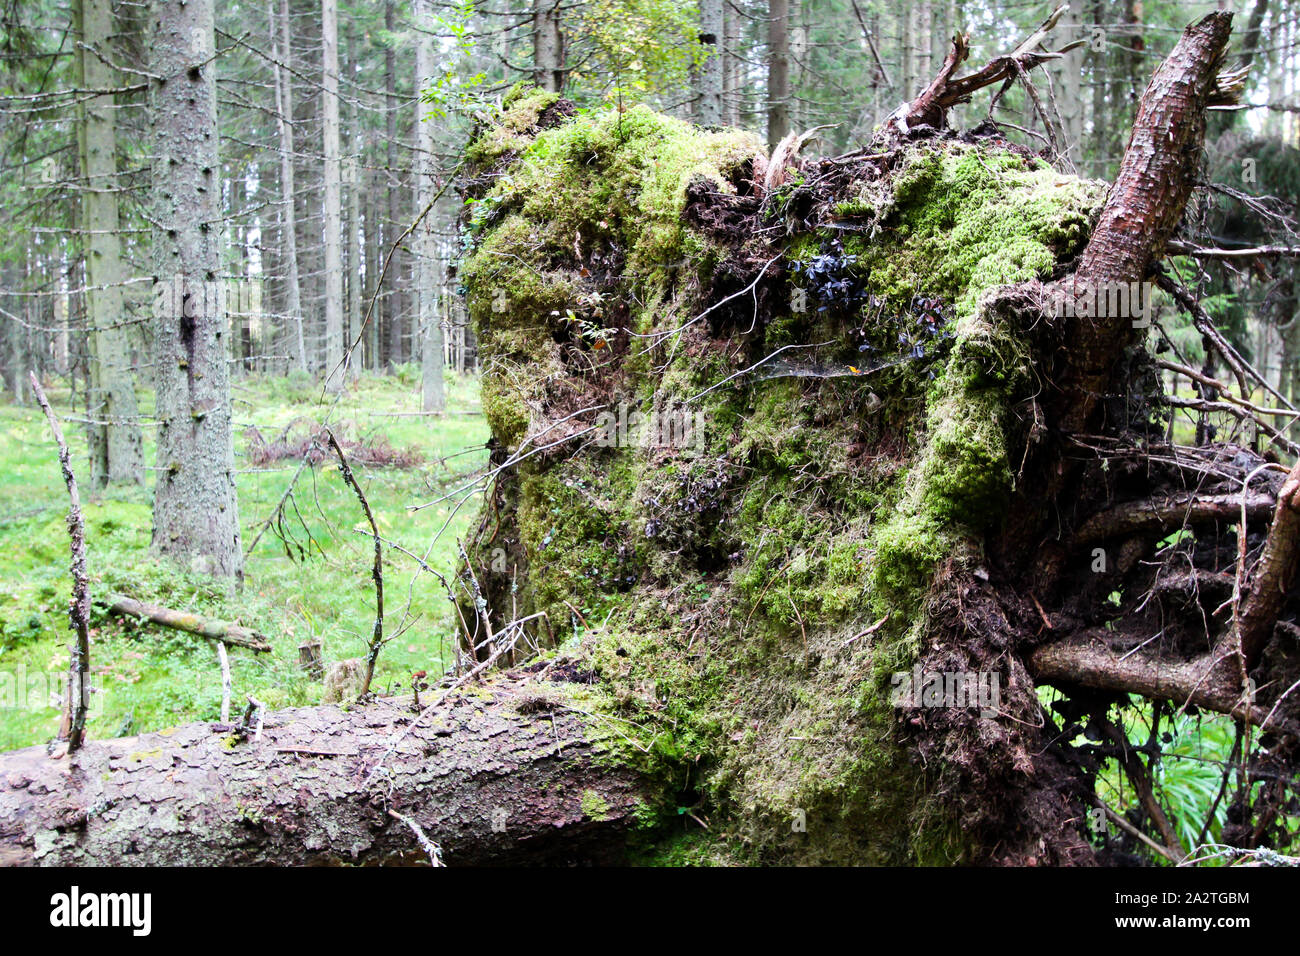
<point>1089,660</point>
<point>1255,252</point>
<point>1274,573</point>
<point>1170,514</point>
<point>212,630</point>
<point>376,572</point>
<point>1205,325</point>
<point>77,695</point>
<point>1236,410</point>
<point>932,105</point>
<point>224,660</point>
<point>1137,772</point>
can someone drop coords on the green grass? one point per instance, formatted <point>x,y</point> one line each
<point>149,677</point>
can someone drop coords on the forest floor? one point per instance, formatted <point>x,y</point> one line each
<point>307,579</point>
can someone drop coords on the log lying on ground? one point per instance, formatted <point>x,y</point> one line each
<point>495,775</point>
<point>208,628</point>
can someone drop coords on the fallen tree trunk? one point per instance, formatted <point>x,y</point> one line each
<point>500,774</point>
<point>213,630</point>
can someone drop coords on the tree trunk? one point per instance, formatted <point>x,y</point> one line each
<point>428,286</point>
<point>335,373</point>
<point>117,453</point>
<point>710,75</point>
<point>281,50</point>
<point>778,71</point>
<point>373,231</point>
<point>393,178</point>
<point>491,778</point>
<point>548,46</point>
<point>196,518</point>
<point>355,272</point>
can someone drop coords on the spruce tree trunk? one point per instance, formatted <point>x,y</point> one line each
<point>710,75</point>
<point>428,286</point>
<point>117,453</point>
<point>396,337</point>
<point>335,372</point>
<point>196,519</point>
<point>778,71</point>
<point>548,46</point>
<point>281,50</point>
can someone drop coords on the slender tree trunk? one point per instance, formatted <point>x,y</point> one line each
<point>117,453</point>
<point>196,517</point>
<point>711,70</point>
<point>289,221</point>
<point>778,70</point>
<point>428,284</point>
<point>335,373</point>
<point>396,338</point>
<point>1069,93</point>
<point>732,64</point>
<point>924,40</point>
<point>548,46</point>
<point>373,231</point>
<point>354,274</point>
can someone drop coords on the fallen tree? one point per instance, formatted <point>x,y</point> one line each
<point>771,438</point>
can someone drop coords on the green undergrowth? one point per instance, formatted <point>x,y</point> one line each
<point>744,599</point>
<point>150,677</point>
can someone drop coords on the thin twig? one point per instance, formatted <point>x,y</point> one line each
<point>77,696</point>
<point>376,572</point>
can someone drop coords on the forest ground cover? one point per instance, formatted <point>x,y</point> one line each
<point>314,586</point>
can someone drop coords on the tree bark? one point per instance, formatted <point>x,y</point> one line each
<point>428,279</point>
<point>393,228</point>
<point>117,453</point>
<point>778,71</point>
<point>494,776</point>
<point>335,372</point>
<point>196,516</point>
<point>709,77</point>
<point>281,50</point>
<point>548,46</point>
<point>1143,207</point>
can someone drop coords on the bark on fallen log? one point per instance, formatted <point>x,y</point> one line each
<point>1174,512</point>
<point>1087,660</point>
<point>495,775</point>
<point>204,627</point>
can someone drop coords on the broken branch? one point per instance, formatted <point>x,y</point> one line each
<point>212,630</point>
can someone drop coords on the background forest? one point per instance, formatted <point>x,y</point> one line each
<point>331,230</point>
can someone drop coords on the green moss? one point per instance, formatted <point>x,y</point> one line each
<point>963,219</point>
<point>594,806</point>
<point>740,603</point>
<point>520,111</point>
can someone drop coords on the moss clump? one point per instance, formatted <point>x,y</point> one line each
<point>738,603</point>
<point>594,806</point>
<point>961,219</point>
<point>521,110</point>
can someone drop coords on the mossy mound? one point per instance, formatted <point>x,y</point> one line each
<point>737,602</point>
